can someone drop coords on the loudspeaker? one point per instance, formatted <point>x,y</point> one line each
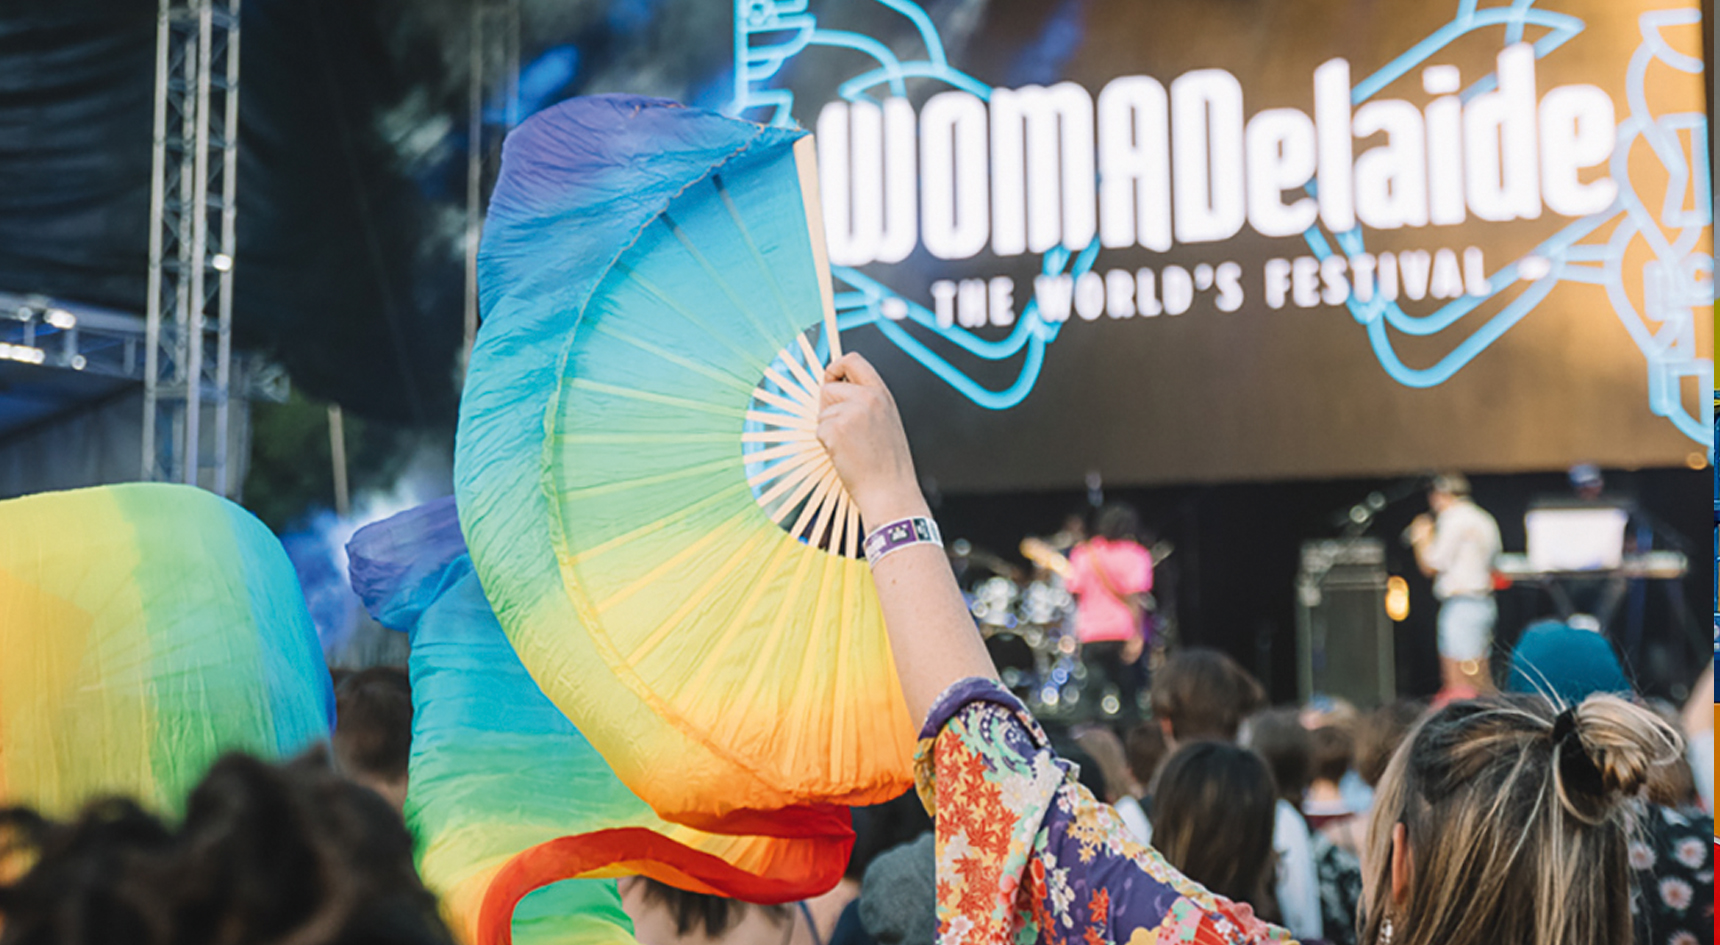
<point>1343,636</point>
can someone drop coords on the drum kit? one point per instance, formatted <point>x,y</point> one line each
<point>1027,619</point>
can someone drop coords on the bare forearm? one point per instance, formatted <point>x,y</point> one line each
<point>931,633</point>
<point>1696,720</point>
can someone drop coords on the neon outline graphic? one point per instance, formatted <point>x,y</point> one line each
<point>768,33</point>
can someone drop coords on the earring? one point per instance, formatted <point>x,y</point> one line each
<point>1386,931</point>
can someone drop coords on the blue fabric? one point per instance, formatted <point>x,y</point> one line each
<point>397,566</point>
<point>579,182</point>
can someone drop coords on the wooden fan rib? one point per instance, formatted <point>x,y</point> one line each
<point>777,452</point>
<point>778,436</point>
<point>651,397</point>
<point>765,658</point>
<point>753,361</point>
<point>676,517</point>
<point>812,716</point>
<point>840,684</point>
<point>799,370</point>
<point>667,565</point>
<point>674,620</point>
<point>761,580</point>
<point>826,510</point>
<point>641,439</point>
<point>717,278</point>
<point>806,168</point>
<point>840,524</point>
<point>640,482</point>
<point>799,408</point>
<point>803,455</point>
<point>772,418</point>
<point>758,257</point>
<point>812,358</point>
<point>805,480</point>
<point>722,377</point>
<point>787,482</point>
<point>814,503</point>
<point>793,387</point>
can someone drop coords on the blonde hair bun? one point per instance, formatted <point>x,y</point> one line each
<point>1605,749</point>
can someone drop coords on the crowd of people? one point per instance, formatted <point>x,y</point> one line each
<point>1560,810</point>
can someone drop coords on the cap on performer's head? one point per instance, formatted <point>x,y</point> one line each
<point>1586,478</point>
<point>1556,659</point>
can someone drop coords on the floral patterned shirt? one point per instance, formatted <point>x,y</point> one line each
<point>1674,871</point>
<point>1027,856</point>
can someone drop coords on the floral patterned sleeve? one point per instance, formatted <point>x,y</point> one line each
<point>1027,856</point>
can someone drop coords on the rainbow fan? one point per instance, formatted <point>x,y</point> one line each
<point>638,474</point>
<point>146,629</point>
<point>506,797</point>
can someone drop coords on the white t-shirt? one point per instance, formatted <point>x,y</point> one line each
<point>1297,886</point>
<point>1465,542</point>
<point>1130,810</point>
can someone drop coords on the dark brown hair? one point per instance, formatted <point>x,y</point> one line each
<point>1277,736</point>
<point>714,916</point>
<point>1333,750</point>
<point>1145,750</point>
<point>1378,735</point>
<point>1212,819</point>
<point>1204,694</point>
<point>265,854</point>
<point>373,723</point>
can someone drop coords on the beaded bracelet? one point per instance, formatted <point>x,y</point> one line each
<point>894,536</point>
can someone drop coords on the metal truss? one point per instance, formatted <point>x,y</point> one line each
<point>191,245</point>
<point>493,103</point>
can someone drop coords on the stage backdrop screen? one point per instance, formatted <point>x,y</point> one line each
<point>1181,240</point>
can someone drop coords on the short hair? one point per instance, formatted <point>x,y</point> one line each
<point>373,723</point>
<point>1333,749</point>
<point>1117,522</point>
<point>1379,733</point>
<point>1203,693</point>
<point>1450,483</point>
<point>1145,750</point>
<point>1212,816</point>
<point>1107,752</point>
<point>1277,736</point>
<point>704,913</point>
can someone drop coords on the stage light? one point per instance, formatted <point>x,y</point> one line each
<point>1696,459</point>
<point>61,319</point>
<point>24,353</point>
<point>78,362</point>
<point>221,262</point>
<point>1397,599</point>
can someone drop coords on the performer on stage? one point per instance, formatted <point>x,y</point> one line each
<point>1111,575</point>
<point>1456,546</point>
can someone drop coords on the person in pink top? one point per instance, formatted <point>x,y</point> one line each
<point>1111,575</point>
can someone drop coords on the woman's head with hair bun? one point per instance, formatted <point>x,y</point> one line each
<point>1515,817</point>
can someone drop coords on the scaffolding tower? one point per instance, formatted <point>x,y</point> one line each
<point>493,109</point>
<point>191,246</point>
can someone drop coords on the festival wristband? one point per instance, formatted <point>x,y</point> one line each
<point>894,536</point>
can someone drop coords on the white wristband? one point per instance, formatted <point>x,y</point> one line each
<point>894,536</point>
